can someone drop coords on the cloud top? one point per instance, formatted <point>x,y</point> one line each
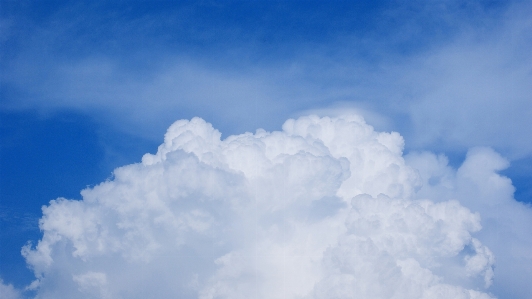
<point>324,208</point>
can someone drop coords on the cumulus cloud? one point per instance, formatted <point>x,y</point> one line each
<point>505,221</point>
<point>325,208</point>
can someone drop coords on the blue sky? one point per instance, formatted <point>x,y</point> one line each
<point>88,87</point>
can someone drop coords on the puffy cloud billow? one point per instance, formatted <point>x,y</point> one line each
<point>326,208</point>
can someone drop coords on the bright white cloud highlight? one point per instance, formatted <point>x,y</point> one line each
<point>325,208</point>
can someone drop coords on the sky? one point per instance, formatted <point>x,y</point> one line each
<point>266,149</point>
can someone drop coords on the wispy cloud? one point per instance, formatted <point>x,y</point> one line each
<point>464,86</point>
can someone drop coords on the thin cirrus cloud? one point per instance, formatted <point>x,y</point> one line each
<point>465,87</point>
<point>325,207</point>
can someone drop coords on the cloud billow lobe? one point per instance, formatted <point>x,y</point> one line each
<point>325,208</point>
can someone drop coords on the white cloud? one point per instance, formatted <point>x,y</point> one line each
<point>394,248</point>
<point>325,208</point>
<point>7,291</point>
<point>93,283</point>
<point>478,186</point>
